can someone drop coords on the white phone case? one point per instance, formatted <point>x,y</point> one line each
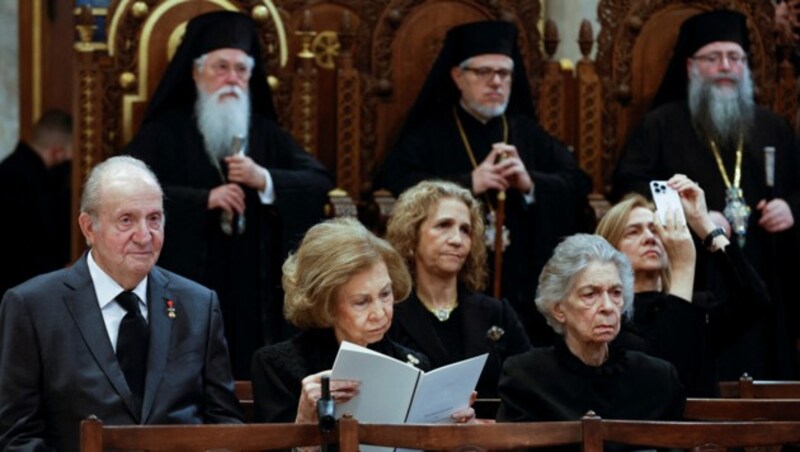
<point>667,200</point>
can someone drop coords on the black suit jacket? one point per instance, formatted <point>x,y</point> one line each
<point>57,365</point>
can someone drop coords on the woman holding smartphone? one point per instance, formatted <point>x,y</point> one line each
<point>672,320</point>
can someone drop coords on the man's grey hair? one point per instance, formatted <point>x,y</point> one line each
<point>570,258</point>
<point>201,60</point>
<point>111,168</point>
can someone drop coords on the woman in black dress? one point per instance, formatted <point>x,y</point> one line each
<point>585,290</point>
<point>438,228</point>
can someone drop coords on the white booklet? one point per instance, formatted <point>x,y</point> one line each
<point>394,392</point>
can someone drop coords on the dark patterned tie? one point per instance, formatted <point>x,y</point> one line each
<point>132,344</point>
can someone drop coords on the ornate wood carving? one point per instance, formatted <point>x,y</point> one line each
<point>304,92</point>
<point>629,83</point>
<point>348,114</point>
<point>552,102</point>
<point>786,98</point>
<point>590,111</point>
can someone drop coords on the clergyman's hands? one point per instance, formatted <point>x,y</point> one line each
<point>242,169</point>
<point>228,197</point>
<point>341,391</point>
<point>487,175</point>
<point>776,216</point>
<point>512,168</point>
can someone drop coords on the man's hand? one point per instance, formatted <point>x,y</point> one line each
<point>776,216</point>
<point>228,197</point>
<point>487,175</point>
<point>242,169</point>
<point>512,168</point>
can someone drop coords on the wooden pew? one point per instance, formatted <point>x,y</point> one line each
<point>96,437</point>
<point>747,388</point>
<point>687,435</point>
<point>244,392</point>
<point>742,409</point>
<point>458,436</point>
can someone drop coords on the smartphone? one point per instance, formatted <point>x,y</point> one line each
<point>667,200</point>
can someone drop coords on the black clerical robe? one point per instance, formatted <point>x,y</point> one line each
<point>436,151</point>
<point>665,144</point>
<point>279,369</point>
<point>243,269</point>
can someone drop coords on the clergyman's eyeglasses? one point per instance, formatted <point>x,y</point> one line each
<point>716,58</point>
<point>485,73</point>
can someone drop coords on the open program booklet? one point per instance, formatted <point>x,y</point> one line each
<point>394,392</point>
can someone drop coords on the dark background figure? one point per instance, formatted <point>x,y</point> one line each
<point>706,125</point>
<point>473,123</point>
<point>113,335</point>
<point>232,218</point>
<point>438,228</point>
<point>34,190</point>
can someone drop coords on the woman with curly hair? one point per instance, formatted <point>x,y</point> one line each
<point>438,228</point>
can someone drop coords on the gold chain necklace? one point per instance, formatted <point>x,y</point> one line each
<point>737,169</point>
<point>491,229</point>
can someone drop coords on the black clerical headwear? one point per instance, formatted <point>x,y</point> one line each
<point>696,32</point>
<point>206,33</point>
<point>440,93</point>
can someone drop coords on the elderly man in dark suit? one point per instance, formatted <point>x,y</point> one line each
<point>114,335</point>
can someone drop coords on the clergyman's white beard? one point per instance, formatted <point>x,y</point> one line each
<point>486,112</point>
<point>219,121</point>
<point>723,114</point>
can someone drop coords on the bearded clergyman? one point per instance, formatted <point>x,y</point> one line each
<point>238,189</point>
<point>705,124</point>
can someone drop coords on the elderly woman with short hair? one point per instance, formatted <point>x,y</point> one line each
<point>340,285</point>
<point>585,290</point>
<point>438,227</point>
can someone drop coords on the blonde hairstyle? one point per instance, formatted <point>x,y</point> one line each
<point>329,255</point>
<point>413,208</point>
<point>612,227</point>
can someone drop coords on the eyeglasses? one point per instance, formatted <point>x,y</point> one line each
<point>485,74</point>
<point>716,58</point>
<point>221,68</point>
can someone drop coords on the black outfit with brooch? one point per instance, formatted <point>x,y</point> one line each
<point>552,384</point>
<point>479,324</point>
<point>691,335</point>
<point>279,369</point>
